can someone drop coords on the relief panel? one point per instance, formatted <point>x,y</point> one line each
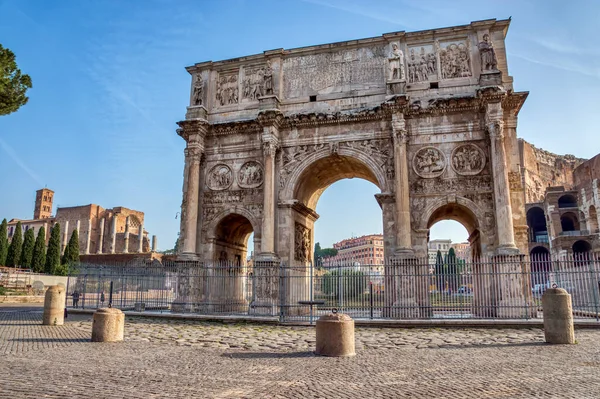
<point>422,64</point>
<point>455,59</point>
<point>227,91</point>
<point>334,72</point>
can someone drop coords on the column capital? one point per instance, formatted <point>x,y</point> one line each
<point>194,152</point>
<point>270,118</point>
<point>193,130</point>
<point>495,129</point>
<point>270,146</point>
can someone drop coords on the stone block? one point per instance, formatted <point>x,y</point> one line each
<point>108,325</point>
<point>335,335</point>
<point>54,306</point>
<point>490,78</point>
<point>558,316</point>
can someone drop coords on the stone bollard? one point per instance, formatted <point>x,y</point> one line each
<point>558,316</point>
<point>335,335</point>
<point>54,306</point>
<point>108,325</point>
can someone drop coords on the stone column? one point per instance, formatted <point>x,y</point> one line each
<point>101,242</point>
<point>89,237</point>
<point>141,239</point>
<point>113,235</point>
<point>127,221</point>
<point>193,132</point>
<point>45,231</point>
<point>403,231</point>
<point>504,221</point>
<point>192,156</point>
<point>65,237</point>
<point>154,243</point>
<point>268,222</point>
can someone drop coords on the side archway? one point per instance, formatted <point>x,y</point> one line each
<point>228,234</point>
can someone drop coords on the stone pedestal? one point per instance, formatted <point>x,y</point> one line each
<point>54,306</point>
<point>513,299</point>
<point>265,281</point>
<point>490,78</point>
<point>558,316</point>
<point>268,102</point>
<point>335,335</point>
<point>108,325</point>
<point>191,287</point>
<point>396,87</point>
<point>406,305</point>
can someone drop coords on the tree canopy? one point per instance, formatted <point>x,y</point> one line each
<point>71,254</point>
<point>3,242</point>
<point>13,83</point>
<point>321,253</point>
<point>27,250</point>
<point>14,249</point>
<point>39,251</point>
<point>53,254</point>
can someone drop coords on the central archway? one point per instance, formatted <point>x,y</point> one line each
<point>307,181</point>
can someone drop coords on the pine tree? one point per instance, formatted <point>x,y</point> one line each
<point>3,242</point>
<point>27,250</point>
<point>53,254</point>
<point>39,252</point>
<point>14,249</point>
<point>71,254</point>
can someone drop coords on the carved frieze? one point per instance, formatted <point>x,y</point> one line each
<point>258,82</point>
<point>379,149</point>
<point>429,162</point>
<point>232,196</point>
<point>302,243</point>
<point>481,183</point>
<point>422,64</point>
<point>468,160</point>
<point>455,60</point>
<point>416,210</point>
<point>250,175</point>
<point>209,213</point>
<point>219,177</point>
<point>514,181</point>
<point>334,71</point>
<point>227,89</point>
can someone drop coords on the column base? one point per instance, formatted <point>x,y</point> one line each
<point>404,254</point>
<point>490,78</point>
<point>507,250</point>
<point>187,256</point>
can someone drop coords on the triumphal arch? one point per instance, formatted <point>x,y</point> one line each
<point>430,117</point>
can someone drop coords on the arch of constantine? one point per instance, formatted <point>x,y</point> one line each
<point>429,117</point>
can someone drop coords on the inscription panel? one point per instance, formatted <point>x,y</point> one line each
<point>334,72</point>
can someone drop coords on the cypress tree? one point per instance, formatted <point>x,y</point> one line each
<point>53,254</point>
<point>39,252</point>
<point>439,271</point>
<point>14,249</point>
<point>71,254</point>
<point>3,242</point>
<point>27,250</point>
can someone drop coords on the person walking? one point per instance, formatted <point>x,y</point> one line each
<point>75,296</point>
<point>102,299</point>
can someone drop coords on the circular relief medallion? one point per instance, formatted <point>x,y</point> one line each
<point>219,177</point>
<point>429,162</point>
<point>250,175</point>
<point>468,159</point>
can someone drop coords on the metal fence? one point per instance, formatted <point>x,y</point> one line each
<point>494,288</point>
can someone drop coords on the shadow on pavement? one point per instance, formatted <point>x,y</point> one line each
<point>50,339</point>
<point>268,355</point>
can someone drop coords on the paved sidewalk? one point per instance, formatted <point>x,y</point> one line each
<point>164,358</point>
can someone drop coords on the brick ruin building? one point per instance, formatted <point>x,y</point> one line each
<point>116,230</point>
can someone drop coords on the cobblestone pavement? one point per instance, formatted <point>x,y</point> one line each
<point>164,358</point>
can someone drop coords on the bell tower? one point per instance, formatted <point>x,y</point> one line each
<point>43,203</point>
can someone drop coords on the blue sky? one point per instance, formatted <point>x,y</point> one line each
<point>109,84</point>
